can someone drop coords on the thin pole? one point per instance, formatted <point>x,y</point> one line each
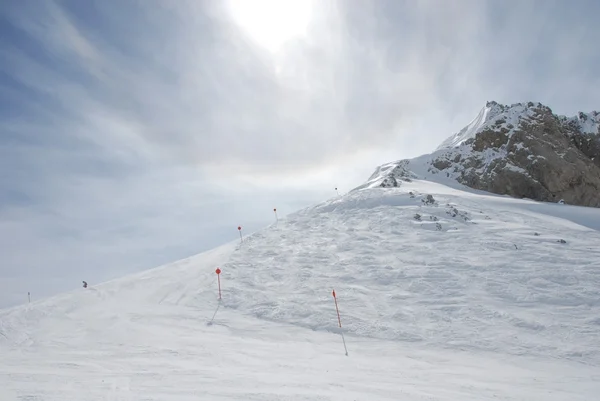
<point>337,309</point>
<point>340,322</point>
<point>218,271</point>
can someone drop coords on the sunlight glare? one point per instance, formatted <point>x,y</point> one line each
<point>272,22</point>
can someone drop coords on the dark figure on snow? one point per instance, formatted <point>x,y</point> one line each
<point>84,284</point>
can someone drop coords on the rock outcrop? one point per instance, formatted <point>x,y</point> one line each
<point>523,150</point>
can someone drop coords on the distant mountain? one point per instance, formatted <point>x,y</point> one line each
<point>523,150</point>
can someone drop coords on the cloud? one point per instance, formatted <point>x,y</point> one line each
<point>138,133</point>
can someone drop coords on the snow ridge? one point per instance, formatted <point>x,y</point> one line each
<point>488,112</point>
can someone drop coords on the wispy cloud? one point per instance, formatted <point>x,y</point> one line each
<point>139,132</point>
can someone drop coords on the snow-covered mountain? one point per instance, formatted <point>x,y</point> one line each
<point>522,150</point>
<point>443,294</point>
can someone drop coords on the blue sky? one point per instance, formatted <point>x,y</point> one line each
<point>134,133</point>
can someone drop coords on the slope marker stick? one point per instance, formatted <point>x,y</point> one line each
<point>214,314</point>
<point>29,296</point>
<point>218,271</point>
<point>276,217</point>
<point>339,321</point>
<point>240,230</point>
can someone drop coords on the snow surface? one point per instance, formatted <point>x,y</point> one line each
<point>476,299</point>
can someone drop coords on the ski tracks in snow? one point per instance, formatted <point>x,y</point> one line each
<point>474,283</point>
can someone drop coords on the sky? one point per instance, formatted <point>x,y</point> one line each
<point>136,133</point>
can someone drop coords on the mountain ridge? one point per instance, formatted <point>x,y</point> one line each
<point>523,150</point>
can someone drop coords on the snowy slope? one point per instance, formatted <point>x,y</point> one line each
<point>471,297</point>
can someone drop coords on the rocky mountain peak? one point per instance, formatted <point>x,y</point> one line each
<point>522,150</point>
<point>496,117</point>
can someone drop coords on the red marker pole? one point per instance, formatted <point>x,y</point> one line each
<point>276,218</point>
<point>337,309</point>
<point>218,271</point>
<point>240,230</point>
<point>339,321</point>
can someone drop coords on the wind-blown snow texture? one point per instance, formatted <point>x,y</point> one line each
<point>444,295</point>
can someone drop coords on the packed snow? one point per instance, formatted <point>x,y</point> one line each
<point>444,293</point>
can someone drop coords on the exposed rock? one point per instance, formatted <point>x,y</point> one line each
<point>523,150</point>
<point>428,200</point>
<point>442,164</point>
<point>389,182</point>
<point>389,175</point>
<point>539,155</point>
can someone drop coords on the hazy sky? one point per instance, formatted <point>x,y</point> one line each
<point>134,133</point>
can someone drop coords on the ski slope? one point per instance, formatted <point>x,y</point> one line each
<point>477,298</point>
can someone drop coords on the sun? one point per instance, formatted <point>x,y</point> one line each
<point>270,23</point>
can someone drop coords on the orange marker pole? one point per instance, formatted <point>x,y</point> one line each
<point>339,321</point>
